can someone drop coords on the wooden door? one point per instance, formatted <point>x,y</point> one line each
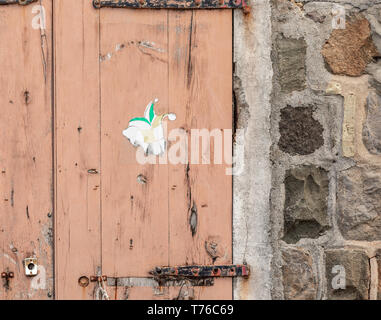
<point>184,58</point>
<point>65,158</point>
<point>26,166</point>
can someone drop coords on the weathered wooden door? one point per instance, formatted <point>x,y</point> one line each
<point>112,215</point>
<point>26,166</point>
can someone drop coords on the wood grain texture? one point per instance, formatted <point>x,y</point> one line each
<point>200,82</point>
<point>108,65</point>
<point>26,196</point>
<point>185,60</point>
<point>77,108</point>
<point>134,215</point>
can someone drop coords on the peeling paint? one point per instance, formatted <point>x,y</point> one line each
<point>9,258</point>
<point>150,45</point>
<point>39,282</point>
<point>193,219</point>
<point>141,45</point>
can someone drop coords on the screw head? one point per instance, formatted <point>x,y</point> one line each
<point>83,281</point>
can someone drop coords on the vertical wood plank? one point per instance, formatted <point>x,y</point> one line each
<point>185,60</point>
<point>200,83</point>
<point>78,182</point>
<point>25,151</point>
<point>134,72</point>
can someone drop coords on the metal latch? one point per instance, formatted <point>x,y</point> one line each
<point>173,4</point>
<point>202,271</point>
<point>20,2</point>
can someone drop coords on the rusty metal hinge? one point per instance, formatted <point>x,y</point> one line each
<point>202,271</point>
<point>19,2</point>
<point>173,4</point>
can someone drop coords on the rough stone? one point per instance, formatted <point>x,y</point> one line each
<point>374,71</point>
<point>251,205</point>
<point>305,211</point>
<point>348,51</point>
<point>299,281</point>
<point>355,264</point>
<point>372,126</point>
<point>373,14</point>
<point>291,61</point>
<point>299,132</point>
<point>316,16</point>
<point>359,204</point>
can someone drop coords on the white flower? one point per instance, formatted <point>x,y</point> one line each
<point>148,131</point>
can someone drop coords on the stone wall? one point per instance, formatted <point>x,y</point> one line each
<point>326,150</point>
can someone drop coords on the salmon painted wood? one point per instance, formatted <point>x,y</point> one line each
<point>155,214</point>
<point>98,108</point>
<point>26,165</point>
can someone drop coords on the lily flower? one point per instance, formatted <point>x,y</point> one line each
<point>148,131</point>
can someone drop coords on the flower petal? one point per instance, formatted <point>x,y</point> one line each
<point>149,113</point>
<point>141,123</point>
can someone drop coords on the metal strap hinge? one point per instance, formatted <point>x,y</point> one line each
<point>19,2</point>
<point>199,276</point>
<point>173,4</point>
<point>202,271</point>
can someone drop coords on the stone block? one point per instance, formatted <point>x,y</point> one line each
<point>348,274</point>
<point>359,204</point>
<point>299,280</point>
<point>348,51</point>
<point>300,133</point>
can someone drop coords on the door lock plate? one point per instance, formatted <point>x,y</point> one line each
<point>31,267</point>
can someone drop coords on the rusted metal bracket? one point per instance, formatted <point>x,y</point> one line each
<point>20,2</point>
<point>196,276</point>
<point>7,275</point>
<point>173,4</point>
<point>98,278</point>
<point>158,282</point>
<point>202,271</point>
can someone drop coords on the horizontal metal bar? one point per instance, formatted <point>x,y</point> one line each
<point>172,4</point>
<point>154,282</point>
<point>20,2</point>
<point>202,271</point>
